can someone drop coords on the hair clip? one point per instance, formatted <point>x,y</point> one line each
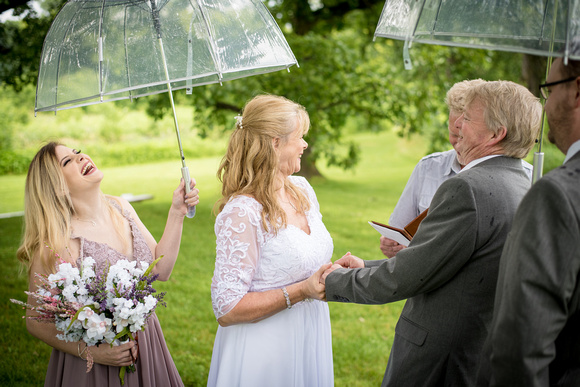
<point>239,121</point>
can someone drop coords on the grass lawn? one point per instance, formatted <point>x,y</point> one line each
<point>362,335</point>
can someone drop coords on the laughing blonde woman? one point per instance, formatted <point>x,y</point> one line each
<point>66,213</point>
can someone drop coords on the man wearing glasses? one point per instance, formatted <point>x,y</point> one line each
<point>534,339</point>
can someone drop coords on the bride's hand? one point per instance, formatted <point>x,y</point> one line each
<point>312,286</point>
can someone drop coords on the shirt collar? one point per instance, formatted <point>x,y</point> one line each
<point>473,163</point>
<point>574,148</point>
<point>453,167</point>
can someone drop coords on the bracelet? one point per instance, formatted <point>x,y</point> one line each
<point>79,350</point>
<point>288,303</point>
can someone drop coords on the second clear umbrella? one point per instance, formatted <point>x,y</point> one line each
<point>536,27</point>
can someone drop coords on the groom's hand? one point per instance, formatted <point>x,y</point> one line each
<point>349,261</point>
<point>327,272</point>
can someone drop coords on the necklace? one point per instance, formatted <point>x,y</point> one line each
<point>292,204</point>
<point>87,221</point>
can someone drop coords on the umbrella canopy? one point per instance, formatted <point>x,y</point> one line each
<point>106,50</point>
<point>537,27</point>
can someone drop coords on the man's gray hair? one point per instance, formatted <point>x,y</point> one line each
<point>507,104</point>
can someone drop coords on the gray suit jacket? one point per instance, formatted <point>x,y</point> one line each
<point>448,273</point>
<point>535,335</point>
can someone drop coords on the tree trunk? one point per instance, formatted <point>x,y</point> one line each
<point>534,72</point>
<point>308,167</point>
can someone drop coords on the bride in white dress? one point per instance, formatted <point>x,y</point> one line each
<point>274,324</point>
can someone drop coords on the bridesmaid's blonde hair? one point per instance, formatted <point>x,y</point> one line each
<point>251,163</point>
<point>48,210</point>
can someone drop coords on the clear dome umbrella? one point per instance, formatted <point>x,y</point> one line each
<point>106,50</point>
<point>538,27</point>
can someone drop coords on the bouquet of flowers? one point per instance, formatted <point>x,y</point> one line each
<point>97,308</point>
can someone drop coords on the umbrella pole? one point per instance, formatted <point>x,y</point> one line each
<point>184,169</point>
<point>539,155</point>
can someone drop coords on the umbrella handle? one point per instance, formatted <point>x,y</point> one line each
<point>187,180</point>
<point>538,166</point>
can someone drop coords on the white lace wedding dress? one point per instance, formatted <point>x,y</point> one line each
<point>290,348</point>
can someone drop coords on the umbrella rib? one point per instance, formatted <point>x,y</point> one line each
<point>100,48</point>
<point>60,56</point>
<point>418,17</point>
<point>128,73</point>
<point>476,35</point>
<point>214,51</point>
<point>436,18</point>
<point>278,28</point>
<point>544,20</point>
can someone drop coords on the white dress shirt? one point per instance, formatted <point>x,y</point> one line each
<point>429,173</point>
<point>574,148</point>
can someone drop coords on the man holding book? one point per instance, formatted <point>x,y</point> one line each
<point>448,273</point>
<point>431,171</point>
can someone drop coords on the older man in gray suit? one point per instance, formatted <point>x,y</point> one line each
<point>534,339</point>
<point>449,271</point>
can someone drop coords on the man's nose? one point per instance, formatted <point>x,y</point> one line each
<point>459,121</point>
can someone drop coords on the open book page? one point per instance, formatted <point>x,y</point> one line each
<point>392,233</point>
<point>401,236</point>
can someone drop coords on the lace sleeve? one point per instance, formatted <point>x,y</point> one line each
<point>238,235</point>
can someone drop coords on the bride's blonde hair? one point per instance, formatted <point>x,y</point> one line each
<point>48,210</point>
<point>251,164</point>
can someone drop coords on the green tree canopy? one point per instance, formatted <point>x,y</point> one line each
<point>343,75</point>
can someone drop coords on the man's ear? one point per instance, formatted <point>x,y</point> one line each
<point>499,136</point>
<point>577,93</point>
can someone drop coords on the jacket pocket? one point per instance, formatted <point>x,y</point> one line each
<point>411,332</point>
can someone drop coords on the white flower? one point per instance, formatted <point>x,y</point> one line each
<point>61,325</point>
<point>109,336</point>
<point>69,292</point>
<point>97,326</point>
<point>150,302</point>
<point>122,307</point>
<point>85,313</point>
<point>88,271</point>
<point>97,322</point>
<point>121,324</point>
<point>83,296</point>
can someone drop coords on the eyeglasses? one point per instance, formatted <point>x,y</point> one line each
<point>544,87</point>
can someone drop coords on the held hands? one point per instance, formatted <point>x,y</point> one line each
<point>389,247</point>
<point>313,288</point>
<point>348,261</point>
<point>182,201</point>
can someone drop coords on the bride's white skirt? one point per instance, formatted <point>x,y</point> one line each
<point>292,348</point>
